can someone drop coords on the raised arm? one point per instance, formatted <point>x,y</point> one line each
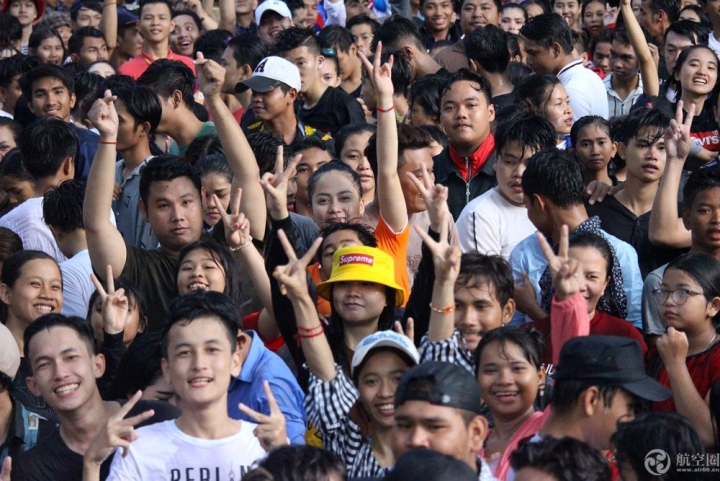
<point>666,227</point>
<point>389,191</point>
<point>648,69</point>
<point>246,173</point>
<point>105,243</point>
<point>228,20</point>
<point>109,24</point>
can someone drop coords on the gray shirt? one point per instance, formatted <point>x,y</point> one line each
<point>135,231</point>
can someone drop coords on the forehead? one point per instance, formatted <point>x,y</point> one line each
<point>702,54</point>
<point>87,11</point>
<point>51,342</point>
<point>674,277</point>
<point>178,187</point>
<point>342,237</point>
<point>48,83</point>
<point>649,133</point>
<point>360,29</point>
<point>420,411</point>
<point>593,130</point>
<point>184,20</point>
<point>678,40</point>
<point>198,331</point>
<point>414,158</point>
<point>436,3</point>
<point>621,47</point>
<point>463,89</point>
<point>45,268</point>
<point>156,8</point>
<point>314,155</point>
<point>334,181</point>
<point>513,149</point>
<point>199,255</point>
<point>357,140</point>
<point>504,350</point>
<point>708,196</point>
<point>477,289</point>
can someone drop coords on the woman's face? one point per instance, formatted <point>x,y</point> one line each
<point>593,17</point>
<point>353,154</point>
<point>690,15</point>
<point>7,141</point>
<point>698,74</point>
<point>508,381</point>
<point>51,51</point>
<point>693,314</point>
<point>358,302</point>
<point>595,276</point>
<point>377,383</point>
<point>220,185</point>
<point>329,73</point>
<point>17,190</point>
<point>595,147</point>
<point>569,10</point>
<point>133,326</point>
<point>558,110</point>
<point>533,10</point>
<point>160,390</point>
<point>200,269</point>
<point>103,69</point>
<point>512,20</point>
<point>335,199</point>
<point>38,291</point>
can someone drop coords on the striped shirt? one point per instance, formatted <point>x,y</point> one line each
<point>448,350</point>
<point>617,106</point>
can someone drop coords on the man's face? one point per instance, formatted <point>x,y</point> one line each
<point>182,39</point>
<point>650,20</point>
<point>601,57</point>
<point>200,361</point>
<point>413,161</point>
<point>312,159</point>
<point>308,65</point>
<point>674,45</point>
<point>245,7</point>
<point>465,114</point>
<point>438,15</point>
<point>539,59</point>
<point>64,370</point>
<point>363,36</point>
<point>712,8</point>
<point>645,155</point>
<point>419,424</point>
<point>271,24</point>
<point>129,135</point>
<point>353,8</point>
<point>92,50</point>
<point>87,18</point>
<point>478,13</point>
<point>306,16</point>
<point>268,105</point>
<point>509,168</point>
<point>51,98</point>
<point>10,94</point>
<point>478,310</point>
<point>702,218</point>
<point>174,211</point>
<point>605,419</point>
<point>155,23</point>
<point>24,10</point>
<point>623,61</point>
<point>233,71</point>
<point>130,42</point>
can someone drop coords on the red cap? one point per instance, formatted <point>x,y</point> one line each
<point>39,6</point>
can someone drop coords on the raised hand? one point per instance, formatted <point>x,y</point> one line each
<point>435,197</point>
<point>379,75</point>
<point>565,272</point>
<point>673,347</point>
<point>409,330</point>
<point>291,276</point>
<point>677,135</point>
<point>275,185</point>
<point>115,305</point>
<point>211,76</point>
<point>104,117</point>
<point>117,433</point>
<point>237,226</point>
<point>271,430</point>
<point>446,257</point>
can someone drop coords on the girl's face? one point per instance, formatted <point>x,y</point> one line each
<point>329,73</point>
<point>692,315</point>
<point>699,72</point>
<point>690,15</point>
<point>200,269</point>
<point>595,276</point>
<point>65,33</point>
<point>593,17</point>
<point>51,51</point>
<point>336,199</point>
<point>133,326</point>
<point>358,302</point>
<point>558,110</point>
<point>512,20</point>
<point>595,147</point>
<point>533,10</point>
<point>18,191</point>
<point>569,10</point>
<point>377,383</point>
<point>38,291</point>
<point>7,140</point>
<point>508,381</point>
<point>636,9</point>
<point>353,154</point>
<point>220,185</point>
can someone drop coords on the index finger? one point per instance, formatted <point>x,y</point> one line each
<point>546,249</point>
<point>109,279</point>
<point>310,254</point>
<point>272,402</point>
<point>289,251</point>
<point>127,407</point>
<point>378,55</point>
<point>690,115</point>
<point>564,242</point>
<point>678,112</point>
<point>279,157</point>
<point>366,63</point>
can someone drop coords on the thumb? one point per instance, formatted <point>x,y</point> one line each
<point>199,58</point>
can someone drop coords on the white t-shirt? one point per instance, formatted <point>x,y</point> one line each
<point>77,285</point>
<point>713,43</point>
<point>586,91</point>
<point>163,452</point>
<point>491,225</point>
<point>26,220</point>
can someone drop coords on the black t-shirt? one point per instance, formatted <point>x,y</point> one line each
<point>500,101</point>
<point>334,110</point>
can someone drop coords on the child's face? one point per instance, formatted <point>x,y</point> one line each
<point>702,218</point>
<point>595,147</point>
<point>133,327</point>
<point>645,155</point>
<point>623,61</point>
<point>692,315</point>
<point>478,310</point>
<point>569,10</point>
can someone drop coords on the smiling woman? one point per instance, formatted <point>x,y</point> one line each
<point>205,265</point>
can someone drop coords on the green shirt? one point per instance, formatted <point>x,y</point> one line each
<point>207,129</point>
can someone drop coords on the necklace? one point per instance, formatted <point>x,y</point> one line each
<point>710,343</point>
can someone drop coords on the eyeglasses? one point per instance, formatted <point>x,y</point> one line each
<point>679,296</point>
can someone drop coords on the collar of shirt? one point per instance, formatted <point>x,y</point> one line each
<point>255,352</point>
<point>567,67</point>
<point>146,56</point>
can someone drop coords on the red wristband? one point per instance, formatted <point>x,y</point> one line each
<point>384,111</point>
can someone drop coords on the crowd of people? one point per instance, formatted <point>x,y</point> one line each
<point>353,239</point>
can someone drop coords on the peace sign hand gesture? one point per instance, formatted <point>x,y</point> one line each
<point>271,430</point>
<point>115,305</point>
<point>446,258</point>
<point>565,272</point>
<point>677,135</point>
<point>237,226</point>
<point>435,197</point>
<point>380,75</point>
<point>276,185</point>
<point>292,276</point>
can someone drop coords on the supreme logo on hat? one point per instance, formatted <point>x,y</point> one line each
<point>356,259</point>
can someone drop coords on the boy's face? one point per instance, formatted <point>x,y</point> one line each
<point>24,10</point>
<point>539,59</point>
<point>87,18</point>
<point>438,14</point>
<point>478,310</point>
<point>174,211</point>
<point>465,114</point>
<point>155,23</point>
<point>623,61</point>
<point>509,168</point>
<point>363,36</point>
<point>130,42</point>
<point>200,361</point>
<point>268,105</point>
<point>64,370</point>
<point>702,218</point>
<point>604,419</point>
<point>92,50</point>
<point>308,65</point>
<point>271,24</point>
<point>336,240</point>
<point>129,135</point>
<point>51,98</point>
<point>644,155</point>
<point>674,45</point>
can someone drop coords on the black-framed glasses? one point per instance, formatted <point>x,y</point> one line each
<point>679,296</point>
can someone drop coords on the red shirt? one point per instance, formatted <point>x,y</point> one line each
<point>137,66</point>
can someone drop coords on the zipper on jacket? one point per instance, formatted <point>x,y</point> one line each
<point>467,182</point>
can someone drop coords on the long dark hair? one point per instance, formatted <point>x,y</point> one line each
<point>224,259</point>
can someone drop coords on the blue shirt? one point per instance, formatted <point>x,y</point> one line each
<point>262,364</point>
<point>528,256</point>
<point>87,145</point>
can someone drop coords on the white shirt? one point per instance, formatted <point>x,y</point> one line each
<point>617,106</point>
<point>585,89</point>
<point>491,225</point>
<point>77,286</point>
<point>163,452</point>
<point>713,43</point>
<point>26,220</point>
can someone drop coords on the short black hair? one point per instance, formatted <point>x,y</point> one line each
<point>165,168</point>
<point>603,36</point>
<point>586,121</point>
<point>425,92</point>
<point>142,3</point>
<point>265,146</point>
<point>401,73</point>
<point>565,458</point>
<point>467,75</point>
<point>670,7</point>
<point>77,5</point>
<point>42,71</point>
<point>643,118</point>
<point>437,134</point>
<point>193,305</point>
<point>363,232</point>
<point>517,73</point>
<point>141,103</point>
<point>395,32</point>
<point>528,130</point>
<point>191,14</point>
<point>696,32</point>
<point>335,36</point>
<point>88,88</point>
<point>580,41</point>
<point>698,181</point>
<point>10,67</point>
<point>334,166</point>
<point>212,44</point>
<point>488,47</point>
<point>311,142</point>
<point>46,144</point>
<point>492,269</point>
<point>363,19</point>
<point>248,49</point>
<point>349,130</point>
<point>140,365</point>
<point>78,38</point>
<point>49,321</point>
<point>621,36</point>
<point>565,393</point>
<point>166,76</point>
<point>557,175</point>
<point>63,206</point>
<point>296,37</point>
<point>10,30</point>
<point>409,138</point>
<point>202,147</point>
<point>298,462</point>
<point>547,29</point>
<point>12,166</point>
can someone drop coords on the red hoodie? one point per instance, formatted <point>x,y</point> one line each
<point>477,159</point>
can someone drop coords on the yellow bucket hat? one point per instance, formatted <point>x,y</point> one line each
<point>362,264</point>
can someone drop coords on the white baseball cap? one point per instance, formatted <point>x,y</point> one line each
<point>269,74</point>
<point>276,6</point>
<point>384,339</point>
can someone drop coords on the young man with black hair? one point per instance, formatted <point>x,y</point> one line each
<point>139,112</point>
<point>315,154</point>
<point>50,93</point>
<point>655,17</point>
<point>129,42</point>
<point>340,40</point>
<point>155,26</point>
<point>363,29</point>
<point>272,17</point>
<point>487,54</point>
<point>466,166</point>
<point>549,49</point>
<point>496,221</point>
<point>87,45</point>
<point>188,28</point>
<point>242,54</point>
<point>86,13</point>
<point>438,25</point>
<point>62,212</point>
<point>553,189</point>
<point>624,84</point>
<point>325,108</point>
<point>173,82</point>
<point>10,71</point>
